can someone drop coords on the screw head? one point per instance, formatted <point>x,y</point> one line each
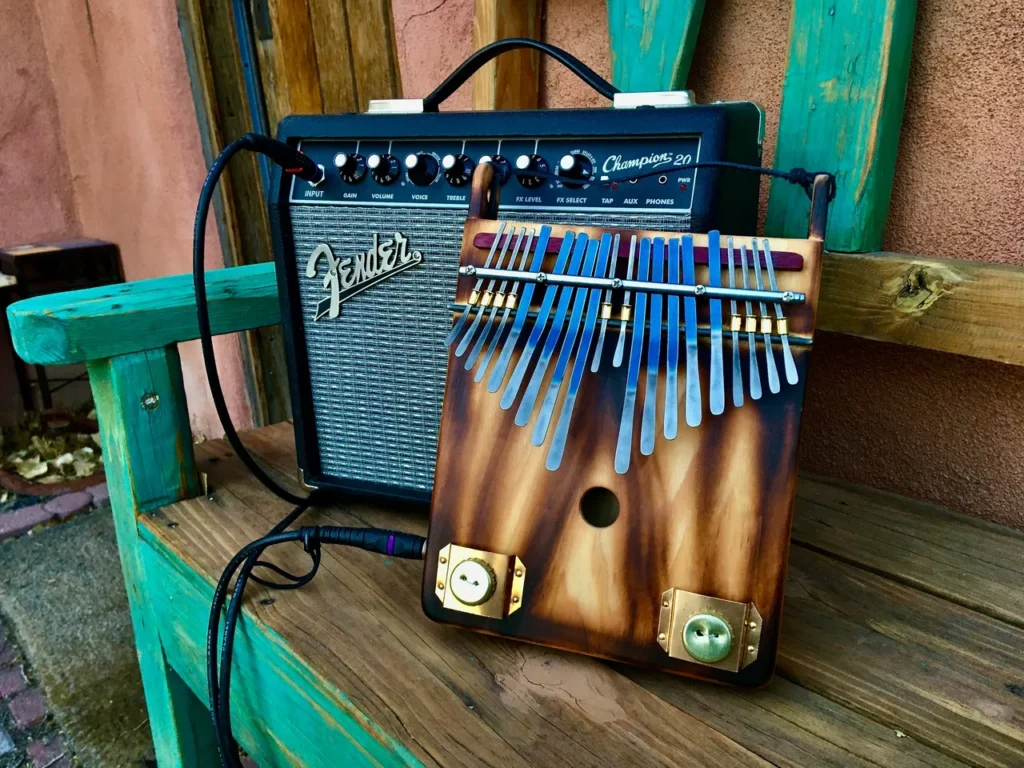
<point>440,585</point>
<point>519,573</point>
<point>616,282</point>
<point>700,290</point>
<point>661,636</point>
<point>665,603</point>
<point>443,559</point>
<point>542,278</point>
<point>751,649</point>
<point>515,598</point>
<point>752,625</point>
<point>150,401</point>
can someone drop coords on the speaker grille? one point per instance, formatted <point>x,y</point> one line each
<point>377,371</point>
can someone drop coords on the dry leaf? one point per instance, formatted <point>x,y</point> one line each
<point>31,468</point>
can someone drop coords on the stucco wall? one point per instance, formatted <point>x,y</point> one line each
<point>923,424</point>
<point>99,137</point>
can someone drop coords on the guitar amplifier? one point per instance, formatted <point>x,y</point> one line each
<point>367,261</point>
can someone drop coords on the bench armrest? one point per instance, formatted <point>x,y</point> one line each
<point>96,323</point>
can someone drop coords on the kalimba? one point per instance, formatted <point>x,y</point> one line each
<point>617,458</point>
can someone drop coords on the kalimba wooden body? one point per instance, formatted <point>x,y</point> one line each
<point>703,522</point>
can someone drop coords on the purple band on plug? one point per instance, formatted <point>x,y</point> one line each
<point>391,544</point>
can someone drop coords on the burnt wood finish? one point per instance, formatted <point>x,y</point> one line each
<point>709,512</point>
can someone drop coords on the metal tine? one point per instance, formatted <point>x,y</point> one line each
<point>579,366</point>
<point>523,310</point>
<point>498,303</point>
<point>510,304</point>
<point>671,424</point>
<point>716,396</point>
<point>648,431</point>
<point>626,308</point>
<point>485,302</point>
<point>750,323</point>
<point>606,306</point>
<point>693,405</point>
<point>551,340</point>
<point>547,408</point>
<point>766,327</point>
<point>551,292</point>
<point>624,444</point>
<point>787,354</point>
<point>734,324</point>
<point>454,332</point>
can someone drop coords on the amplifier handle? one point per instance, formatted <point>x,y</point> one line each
<point>466,69</point>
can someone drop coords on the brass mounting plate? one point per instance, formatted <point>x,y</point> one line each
<point>509,581</point>
<point>743,619</point>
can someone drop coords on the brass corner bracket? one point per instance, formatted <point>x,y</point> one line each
<point>478,582</point>
<point>708,630</point>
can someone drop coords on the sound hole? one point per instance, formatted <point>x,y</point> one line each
<point>599,507</point>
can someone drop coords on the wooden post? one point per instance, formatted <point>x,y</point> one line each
<point>147,453</point>
<point>652,42</point>
<point>511,81</point>
<point>842,111</point>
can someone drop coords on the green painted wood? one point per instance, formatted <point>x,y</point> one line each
<point>97,323</point>
<point>148,458</point>
<point>842,112</point>
<point>652,42</point>
<point>283,712</point>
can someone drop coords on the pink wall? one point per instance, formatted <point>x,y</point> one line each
<point>103,101</point>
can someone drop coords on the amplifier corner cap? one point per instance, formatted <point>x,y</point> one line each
<point>395,106</point>
<point>653,99</point>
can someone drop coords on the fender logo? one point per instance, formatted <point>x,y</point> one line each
<point>348,277</point>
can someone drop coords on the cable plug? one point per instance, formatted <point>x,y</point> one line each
<point>384,542</point>
<point>288,157</point>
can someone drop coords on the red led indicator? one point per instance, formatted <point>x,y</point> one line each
<point>682,186</point>
<point>615,185</point>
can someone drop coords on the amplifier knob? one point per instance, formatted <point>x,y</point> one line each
<point>422,168</point>
<point>531,163</point>
<point>351,167</point>
<point>384,168</point>
<point>503,166</point>
<point>458,169</point>
<point>575,166</point>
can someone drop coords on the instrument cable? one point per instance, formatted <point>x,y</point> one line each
<point>390,543</point>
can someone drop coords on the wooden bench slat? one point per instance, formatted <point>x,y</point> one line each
<point>862,656</point>
<point>842,111</point>
<point>451,696</point>
<point>931,669</point>
<point>791,726</point>
<point>966,561</point>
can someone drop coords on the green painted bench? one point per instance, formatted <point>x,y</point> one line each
<point>902,641</point>
<point>904,623</point>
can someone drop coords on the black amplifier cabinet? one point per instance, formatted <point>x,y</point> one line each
<point>367,260</point>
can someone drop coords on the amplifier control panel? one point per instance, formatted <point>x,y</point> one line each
<point>436,173</point>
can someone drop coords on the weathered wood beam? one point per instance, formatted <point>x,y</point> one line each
<point>652,42</point>
<point>842,111</point>
<point>511,81</point>
<point>964,307</point>
<point>118,319</point>
<point>218,88</point>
